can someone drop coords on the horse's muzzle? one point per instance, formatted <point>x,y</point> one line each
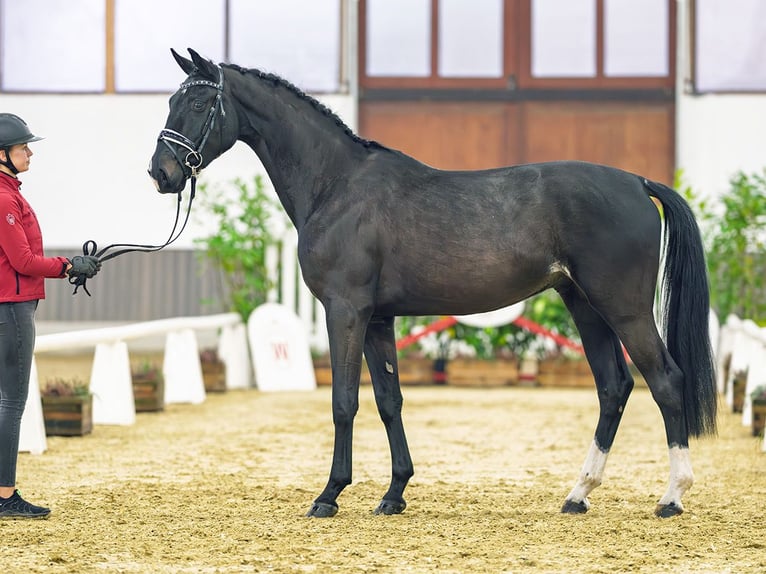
<point>166,176</point>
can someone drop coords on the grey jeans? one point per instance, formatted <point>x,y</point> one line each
<point>17,343</point>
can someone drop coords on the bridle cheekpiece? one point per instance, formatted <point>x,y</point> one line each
<point>193,159</point>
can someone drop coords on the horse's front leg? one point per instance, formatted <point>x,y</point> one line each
<point>345,326</point>
<point>380,351</point>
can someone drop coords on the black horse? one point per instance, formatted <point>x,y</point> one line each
<point>380,235</point>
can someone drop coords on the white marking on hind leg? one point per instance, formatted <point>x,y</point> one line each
<point>681,476</point>
<point>590,475</point>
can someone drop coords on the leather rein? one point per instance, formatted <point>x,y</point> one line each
<point>191,161</point>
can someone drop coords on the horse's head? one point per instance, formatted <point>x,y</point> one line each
<point>201,125</point>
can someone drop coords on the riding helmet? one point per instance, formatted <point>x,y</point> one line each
<point>14,130</point>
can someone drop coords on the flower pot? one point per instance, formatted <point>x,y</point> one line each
<point>759,417</point>
<point>482,372</point>
<point>739,382</point>
<point>412,371</point>
<point>560,372</point>
<point>149,391</point>
<point>214,376</point>
<point>68,416</point>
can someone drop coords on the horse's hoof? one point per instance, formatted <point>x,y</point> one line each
<point>667,510</point>
<point>572,507</point>
<point>389,507</point>
<point>322,510</point>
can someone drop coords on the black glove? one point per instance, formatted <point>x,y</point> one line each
<point>86,265</point>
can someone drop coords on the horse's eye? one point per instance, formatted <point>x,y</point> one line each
<point>198,105</point>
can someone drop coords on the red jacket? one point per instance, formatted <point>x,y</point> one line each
<point>23,267</point>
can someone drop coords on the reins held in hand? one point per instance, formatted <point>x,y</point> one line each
<point>91,248</point>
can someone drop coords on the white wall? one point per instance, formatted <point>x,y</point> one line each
<point>88,178</point>
<point>717,135</point>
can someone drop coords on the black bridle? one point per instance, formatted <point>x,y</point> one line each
<point>168,136</point>
<point>191,160</point>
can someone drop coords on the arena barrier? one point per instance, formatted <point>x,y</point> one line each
<point>742,350</point>
<point>111,382</point>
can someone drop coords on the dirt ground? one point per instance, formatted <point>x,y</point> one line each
<point>223,487</point>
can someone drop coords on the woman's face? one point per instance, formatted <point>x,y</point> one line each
<point>20,155</point>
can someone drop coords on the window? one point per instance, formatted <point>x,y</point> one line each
<point>597,44</point>
<point>124,45</point>
<point>435,43</point>
<point>517,44</point>
<point>729,46</point>
<point>564,39</point>
<point>296,39</point>
<point>636,39</point>
<point>143,36</point>
<point>52,46</point>
<point>471,39</point>
<point>396,45</point>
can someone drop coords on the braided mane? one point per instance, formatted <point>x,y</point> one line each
<point>277,81</point>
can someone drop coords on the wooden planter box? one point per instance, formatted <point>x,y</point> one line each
<point>738,391</point>
<point>759,417</point>
<point>149,391</point>
<point>68,416</point>
<point>214,376</point>
<point>482,372</point>
<point>412,371</point>
<point>564,373</point>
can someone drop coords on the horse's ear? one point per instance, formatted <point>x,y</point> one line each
<point>186,65</point>
<point>205,67</point>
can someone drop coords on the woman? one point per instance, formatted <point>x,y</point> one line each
<point>23,270</point>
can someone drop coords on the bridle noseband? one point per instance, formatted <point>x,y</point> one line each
<point>168,136</point>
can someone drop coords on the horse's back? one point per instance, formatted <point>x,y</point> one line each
<point>507,232</point>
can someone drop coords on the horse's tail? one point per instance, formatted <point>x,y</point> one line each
<point>686,309</point>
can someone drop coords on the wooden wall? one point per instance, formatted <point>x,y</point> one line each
<point>636,136</point>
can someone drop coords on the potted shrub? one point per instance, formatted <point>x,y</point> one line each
<point>738,385</point>
<point>242,218</point>
<point>459,354</point>
<point>213,371</point>
<point>732,230</point>
<point>758,399</point>
<point>148,388</point>
<point>508,354</point>
<point>67,407</point>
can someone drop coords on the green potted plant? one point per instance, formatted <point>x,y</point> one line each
<point>758,400</point>
<point>148,387</point>
<point>242,218</point>
<point>732,228</point>
<point>67,406</point>
<point>498,355</point>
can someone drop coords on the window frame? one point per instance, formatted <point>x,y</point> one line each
<point>517,59</point>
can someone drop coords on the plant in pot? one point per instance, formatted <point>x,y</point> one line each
<point>460,354</point>
<point>243,220</point>
<point>213,371</point>
<point>758,400</point>
<point>732,229</point>
<point>148,387</point>
<point>67,406</point>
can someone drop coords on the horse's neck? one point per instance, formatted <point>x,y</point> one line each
<point>298,145</point>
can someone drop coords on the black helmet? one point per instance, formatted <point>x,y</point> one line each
<point>14,130</point>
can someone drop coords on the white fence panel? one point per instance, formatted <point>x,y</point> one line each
<point>111,381</point>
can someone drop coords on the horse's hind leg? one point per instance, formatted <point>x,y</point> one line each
<point>380,352</point>
<point>614,385</point>
<point>665,381</point>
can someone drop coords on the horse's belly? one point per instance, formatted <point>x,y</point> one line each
<point>460,291</point>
